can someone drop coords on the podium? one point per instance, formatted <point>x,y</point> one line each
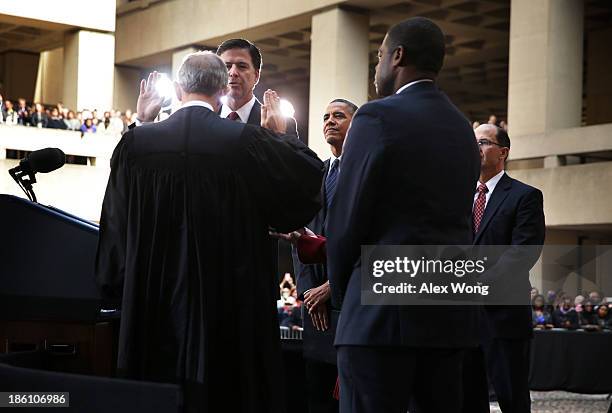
<point>49,301</point>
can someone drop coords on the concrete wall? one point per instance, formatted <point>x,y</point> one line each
<point>573,195</point>
<point>126,89</point>
<point>92,14</point>
<point>76,189</point>
<point>171,25</point>
<point>20,71</point>
<point>562,142</point>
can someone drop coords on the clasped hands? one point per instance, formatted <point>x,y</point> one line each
<point>315,301</point>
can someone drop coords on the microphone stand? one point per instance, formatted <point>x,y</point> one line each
<point>24,180</point>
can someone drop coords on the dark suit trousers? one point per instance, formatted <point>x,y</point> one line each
<point>506,362</point>
<point>320,381</point>
<point>397,379</point>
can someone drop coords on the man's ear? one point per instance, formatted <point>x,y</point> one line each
<point>506,152</point>
<point>178,91</point>
<point>398,56</point>
<point>257,79</point>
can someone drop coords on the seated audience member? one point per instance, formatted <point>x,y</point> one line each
<point>595,297</point>
<point>39,117</point>
<point>286,298</point>
<point>540,316</point>
<point>503,125</point>
<point>72,123</point>
<point>475,124</point>
<point>55,122</point>
<point>116,124</point>
<point>23,112</point>
<point>565,316</point>
<point>10,114</point>
<point>587,316</point>
<point>534,293</point>
<point>492,120</point>
<point>88,127</point>
<point>602,317</point>
<point>551,297</point>
<point>292,316</point>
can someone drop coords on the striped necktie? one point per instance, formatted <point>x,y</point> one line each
<point>330,182</point>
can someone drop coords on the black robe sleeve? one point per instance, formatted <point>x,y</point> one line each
<point>110,258</point>
<point>286,179</point>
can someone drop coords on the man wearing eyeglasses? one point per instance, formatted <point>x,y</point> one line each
<point>505,212</point>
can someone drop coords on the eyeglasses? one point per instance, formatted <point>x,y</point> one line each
<point>486,142</point>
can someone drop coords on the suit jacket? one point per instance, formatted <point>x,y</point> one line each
<point>514,215</point>
<point>408,172</point>
<point>317,345</point>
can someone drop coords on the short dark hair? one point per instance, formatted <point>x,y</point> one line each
<point>242,44</point>
<point>353,107</point>
<point>502,137</point>
<point>422,41</point>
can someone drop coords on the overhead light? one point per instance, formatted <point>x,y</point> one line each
<point>165,88</point>
<point>287,108</point>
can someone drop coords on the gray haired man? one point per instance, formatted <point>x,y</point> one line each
<point>184,223</point>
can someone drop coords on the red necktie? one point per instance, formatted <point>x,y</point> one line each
<point>479,206</point>
<point>233,116</point>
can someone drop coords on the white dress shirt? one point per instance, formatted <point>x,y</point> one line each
<point>407,85</point>
<point>491,184</point>
<point>243,112</point>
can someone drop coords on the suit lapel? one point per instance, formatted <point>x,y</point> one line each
<point>255,115</point>
<point>501,191</point>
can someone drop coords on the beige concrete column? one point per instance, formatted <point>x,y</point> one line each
<point>89,67</point>
<point>50,80</point>
<point>545,74</point>
<point>177,59</point>
<point>338,67</point>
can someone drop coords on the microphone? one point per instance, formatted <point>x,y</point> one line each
<point>44,161</point>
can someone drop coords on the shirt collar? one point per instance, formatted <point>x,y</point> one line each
<point>243,112</point>
<point>492,183</point>
<point>332,158</point>
<point>407,85</point>
<point>196,103</point>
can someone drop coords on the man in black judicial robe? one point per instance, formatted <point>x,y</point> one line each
<point>184,226</point>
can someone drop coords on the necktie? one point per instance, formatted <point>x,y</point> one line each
<point>330,182</point>
<point>479,206</point>
<point>233,116</point>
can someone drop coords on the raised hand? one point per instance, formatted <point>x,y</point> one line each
<point>149,100</point>
<point>271,116</point>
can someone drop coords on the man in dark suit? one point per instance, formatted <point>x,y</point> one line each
<point>243,60</point>
<point>408,171</point>
<point>505,212</point>
<point>312,282</point>
<point>184,221</point>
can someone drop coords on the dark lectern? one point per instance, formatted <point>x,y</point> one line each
<point>48,297</point>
